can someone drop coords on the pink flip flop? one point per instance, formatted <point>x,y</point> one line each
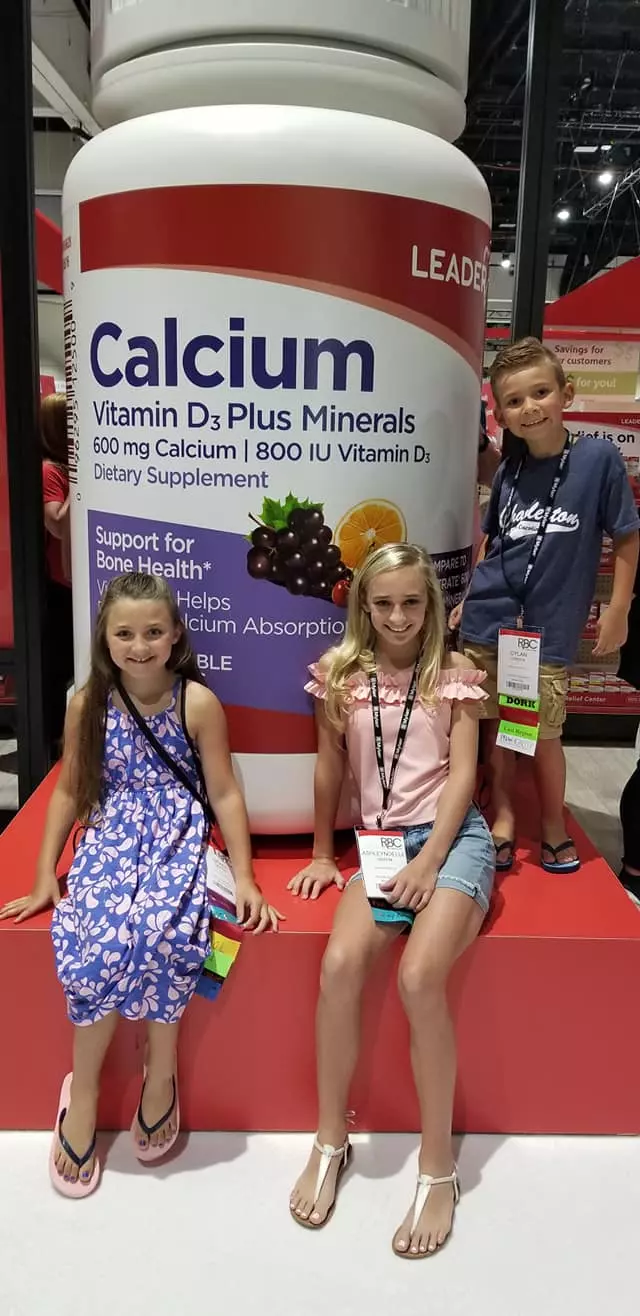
<point>64,1186</point>
<point>148,1154</point>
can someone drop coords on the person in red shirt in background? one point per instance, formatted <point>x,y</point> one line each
<point>58,628</point>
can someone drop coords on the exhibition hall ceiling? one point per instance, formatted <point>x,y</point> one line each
<point>596,151</point>
<point>596,214</point>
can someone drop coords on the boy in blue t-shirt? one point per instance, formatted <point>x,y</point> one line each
<point>593,498</point>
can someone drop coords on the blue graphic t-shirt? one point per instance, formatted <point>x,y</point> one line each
<point>594,498</point>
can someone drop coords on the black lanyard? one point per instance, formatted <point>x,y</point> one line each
<point>410,700</point>
<point>520,594</point>
<point>176,768</point>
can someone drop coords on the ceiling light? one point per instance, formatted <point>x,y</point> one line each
<point>563,215</point>
<point>605,179</point>
<point>506,262</point>
<point>585,150</point>
<point>606,148</point>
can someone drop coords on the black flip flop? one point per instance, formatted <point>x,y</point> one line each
<point>79,1187</point>
<point>504,865</point>
<point>148,1154</point>
<point>556,866</point>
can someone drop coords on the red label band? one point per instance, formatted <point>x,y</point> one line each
<point>519,716</point>
<point>416,260</point>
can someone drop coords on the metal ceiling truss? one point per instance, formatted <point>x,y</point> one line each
<point>598,125</point>
<point>84,9</point>
<point>59,95</point>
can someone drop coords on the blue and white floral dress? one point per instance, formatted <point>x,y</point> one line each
<point>133,933</point>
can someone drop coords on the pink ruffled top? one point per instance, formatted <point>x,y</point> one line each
<point>424,764</point>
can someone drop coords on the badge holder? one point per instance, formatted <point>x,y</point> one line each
<point>519,654</point>
<point>520,649</point>
<point>225,934</point>
<point>382,856</point>
<point>383,853</point>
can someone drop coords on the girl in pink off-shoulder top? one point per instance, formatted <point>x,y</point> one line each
<point>417,776</point>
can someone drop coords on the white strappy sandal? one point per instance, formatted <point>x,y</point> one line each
<point>327,1155</point>
<point>424,1185</point>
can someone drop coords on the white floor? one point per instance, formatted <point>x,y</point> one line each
<point>595,781</point>
<point>546,1227</point>
<point>8,777</point>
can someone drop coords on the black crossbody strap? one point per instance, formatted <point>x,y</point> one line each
<point>169,762</point>
<point>192,746</point>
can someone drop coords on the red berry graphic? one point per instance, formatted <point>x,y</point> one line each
<point>340,593</point>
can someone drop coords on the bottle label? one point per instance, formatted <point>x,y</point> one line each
<point>265,384</point>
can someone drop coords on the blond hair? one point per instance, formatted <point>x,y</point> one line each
<point>521,356</point>
<point>356,652</point>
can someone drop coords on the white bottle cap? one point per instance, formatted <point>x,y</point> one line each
<point>386,57</point>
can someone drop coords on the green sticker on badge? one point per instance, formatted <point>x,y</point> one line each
<point>525,705</point>
<point>517,735</point>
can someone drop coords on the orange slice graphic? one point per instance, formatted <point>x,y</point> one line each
<point>367,526</point>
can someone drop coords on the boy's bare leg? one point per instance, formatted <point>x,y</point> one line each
<point>502,767</point>
<point>551,780</point>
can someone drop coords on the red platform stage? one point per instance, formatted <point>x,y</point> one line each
<point>545,1005</point>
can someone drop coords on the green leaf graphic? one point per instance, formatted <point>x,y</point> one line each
<point>276,514</point>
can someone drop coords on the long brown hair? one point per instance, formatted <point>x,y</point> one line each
<point>53,428</point>
<point>104,674</point>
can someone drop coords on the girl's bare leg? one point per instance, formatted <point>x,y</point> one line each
<point>90,1046</point>
<point>354,945</point>
<point>161,1064</point>
<point>440,934</point>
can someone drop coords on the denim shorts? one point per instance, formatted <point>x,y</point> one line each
<point>469,867</point>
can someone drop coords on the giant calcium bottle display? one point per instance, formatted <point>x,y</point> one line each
<point>276,270</point>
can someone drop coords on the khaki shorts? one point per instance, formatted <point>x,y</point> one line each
<point>554,684</point>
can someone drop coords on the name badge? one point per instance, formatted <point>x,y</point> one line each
<point>220,879</point>
<point>519,654</point>
<point>382,856</point>
<point>518,735</point>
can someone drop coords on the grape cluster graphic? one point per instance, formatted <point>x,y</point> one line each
<point>292,546</point>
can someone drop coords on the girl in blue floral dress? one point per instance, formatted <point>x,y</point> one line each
<point>146,753</point>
